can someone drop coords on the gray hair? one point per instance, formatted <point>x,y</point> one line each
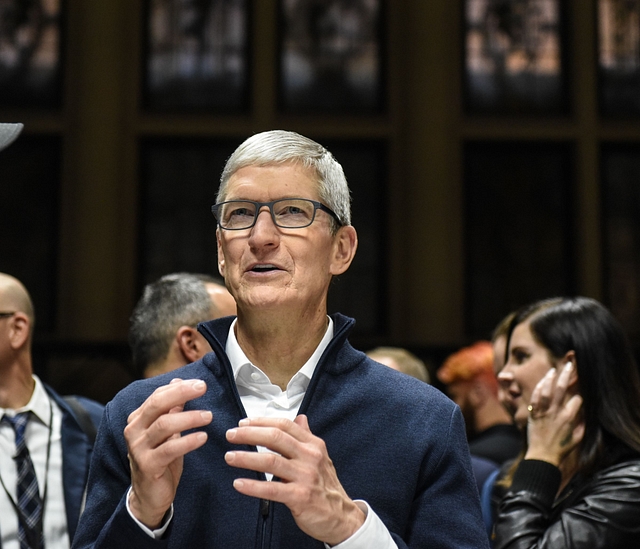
<point>280,146</point>
<point>178,299</point>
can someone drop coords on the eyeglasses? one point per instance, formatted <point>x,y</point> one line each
<point>6,314</point>
<point>287,213</point>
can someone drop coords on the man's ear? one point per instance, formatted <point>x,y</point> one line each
<point>220,254</point>
<point>192,345</point>
<point>345,246</point>
<point>19,330</point>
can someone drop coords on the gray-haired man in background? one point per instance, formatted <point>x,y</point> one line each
<point>163,334</point>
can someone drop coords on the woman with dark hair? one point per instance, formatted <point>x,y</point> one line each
<point>571,382</point>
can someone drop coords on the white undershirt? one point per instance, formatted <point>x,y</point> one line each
<point>37,437</point>
<point>261,398</point>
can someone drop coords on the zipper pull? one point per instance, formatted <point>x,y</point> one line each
<point>264,507</point>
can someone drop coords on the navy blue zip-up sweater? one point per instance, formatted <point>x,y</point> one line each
<point>396,442</point>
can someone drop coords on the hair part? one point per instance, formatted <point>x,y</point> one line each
<point>280,147</point>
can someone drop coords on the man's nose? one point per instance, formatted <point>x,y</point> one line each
<point>264,227</point>
<point>264,215</point>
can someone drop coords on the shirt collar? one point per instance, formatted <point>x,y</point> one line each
<point>237,358</point>
<point>39,404</point>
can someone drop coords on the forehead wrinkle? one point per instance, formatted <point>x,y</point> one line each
<point>263,179</point>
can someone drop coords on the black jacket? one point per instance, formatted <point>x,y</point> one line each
<point>599,512</point>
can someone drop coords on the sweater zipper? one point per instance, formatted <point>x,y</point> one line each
<point>264,512</point>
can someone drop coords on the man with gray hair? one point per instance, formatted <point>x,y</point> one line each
<point>284,436</point>
<point>163,334</point>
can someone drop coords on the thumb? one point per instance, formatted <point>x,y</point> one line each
<point>302,421</point>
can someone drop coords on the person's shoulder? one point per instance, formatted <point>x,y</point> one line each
<point>628,468</point>
<point>93,407</point>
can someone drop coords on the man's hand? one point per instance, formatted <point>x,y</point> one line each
<point>310,487</point>
<point>156,448</point>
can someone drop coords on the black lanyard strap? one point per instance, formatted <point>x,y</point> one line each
<point>38,531</point>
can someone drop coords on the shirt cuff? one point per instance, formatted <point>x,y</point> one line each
<point>373,534</point>
<point>157,533</point>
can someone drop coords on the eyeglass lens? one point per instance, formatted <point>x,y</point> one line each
<point>287,213</point>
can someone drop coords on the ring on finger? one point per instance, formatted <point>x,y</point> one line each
<point>533,412</point>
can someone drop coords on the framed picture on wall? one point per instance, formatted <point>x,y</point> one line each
<point>514,54</point>
<point>196,55</point>
<point>31,54</point>
<point>518,233</point>
<point>619,57</point>
<point>331,57</point>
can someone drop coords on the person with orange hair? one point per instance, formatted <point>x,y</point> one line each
<point>471,384</point>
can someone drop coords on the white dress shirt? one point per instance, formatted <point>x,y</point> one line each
<point>46,415</point>
<point>261,398</point>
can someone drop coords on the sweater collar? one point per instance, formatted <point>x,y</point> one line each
<point>216,333</point>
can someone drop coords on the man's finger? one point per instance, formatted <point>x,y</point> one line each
<point>166,398</point>
<point>168,425</point>
<point>273,438</point>
<point>265,462</point>
<point>293,428</point>
<point>177,447</point>
<point>272,491</point>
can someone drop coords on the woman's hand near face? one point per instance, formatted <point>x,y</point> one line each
<point>555,424</point>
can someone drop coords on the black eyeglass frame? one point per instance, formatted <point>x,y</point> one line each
<point>7,314</point>
<point>316,206</point>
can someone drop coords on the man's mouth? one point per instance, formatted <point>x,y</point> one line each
<point>263,268</point>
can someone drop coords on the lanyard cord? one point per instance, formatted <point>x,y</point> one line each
<point>21,518</point>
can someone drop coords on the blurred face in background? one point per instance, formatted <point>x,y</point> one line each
<point>499,350</point>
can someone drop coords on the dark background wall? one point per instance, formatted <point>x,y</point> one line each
<point>463,216</point>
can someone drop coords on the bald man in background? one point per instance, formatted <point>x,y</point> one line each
<point>163,334</point>
<point>41,434</point>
